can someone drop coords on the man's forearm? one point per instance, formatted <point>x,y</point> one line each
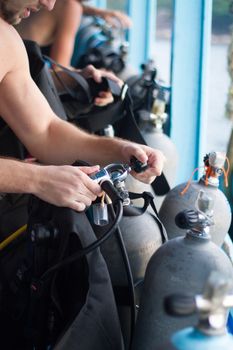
<point>65,143</point>
<point>16,176</point>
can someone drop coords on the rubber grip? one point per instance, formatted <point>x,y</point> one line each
<point>180,305</point>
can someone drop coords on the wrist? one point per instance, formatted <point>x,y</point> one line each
<point>126,151</point>
<point>35,178</point>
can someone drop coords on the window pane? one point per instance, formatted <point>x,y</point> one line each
<point>117,5</point>
<point>219,78</point>
<point>162,44</point>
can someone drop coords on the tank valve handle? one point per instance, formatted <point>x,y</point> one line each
<point>180,305</point>
<point>214,167</point>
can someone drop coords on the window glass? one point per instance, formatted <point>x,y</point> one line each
<point>117,5</point>
<point>220,79</point>
<point>162,45</point>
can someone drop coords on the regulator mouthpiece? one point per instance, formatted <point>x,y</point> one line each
<point>100,214</point>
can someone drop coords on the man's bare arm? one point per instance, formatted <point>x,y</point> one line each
<point>48,138</point>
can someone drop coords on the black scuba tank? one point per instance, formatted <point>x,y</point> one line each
<point>181,263</point>
<point>209,182</point>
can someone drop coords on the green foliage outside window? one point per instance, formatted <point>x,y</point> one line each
<point>222,17</point>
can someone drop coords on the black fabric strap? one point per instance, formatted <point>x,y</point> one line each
<point>148,200</point>
<point>73,74</point>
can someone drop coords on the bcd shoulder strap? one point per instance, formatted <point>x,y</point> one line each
<point>41,75</point>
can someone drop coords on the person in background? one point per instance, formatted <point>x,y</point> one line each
<point>55,31</point>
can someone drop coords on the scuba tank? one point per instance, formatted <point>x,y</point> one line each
<point>142,234</point>
<point>151,107</point>
<point>144,89</point>
<point>182,262</point>
<point>151,126</point>
<point>209,182</point>
<point>210,333</point>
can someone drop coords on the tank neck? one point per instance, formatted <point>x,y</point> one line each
<point>214,324</point>
<point>200,234</point>
<point>211,181</point>
<point>155,127</point>
<point>152,122</point>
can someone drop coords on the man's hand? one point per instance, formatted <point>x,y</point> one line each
<point>105,97</point>
<point>153,157</point>
<point>66,186</point>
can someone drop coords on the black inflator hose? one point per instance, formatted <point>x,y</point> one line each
<point>129,274</point>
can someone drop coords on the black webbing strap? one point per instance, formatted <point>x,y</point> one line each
<point>148,200</point>
<point>82,82</point>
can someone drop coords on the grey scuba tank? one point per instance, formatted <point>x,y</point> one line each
<point>151,126</point>
<point>212,306</point>
<point>209,182</point>
<point>181,263</point>
<point>142,236</point>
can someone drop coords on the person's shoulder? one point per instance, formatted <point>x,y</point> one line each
<point>10,39</point>
<point>12,50</point>
<point>63,5</point>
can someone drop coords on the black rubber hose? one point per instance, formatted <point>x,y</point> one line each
<point>92,246</point>
<point>129,277</point>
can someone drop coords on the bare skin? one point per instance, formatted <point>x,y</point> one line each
<point>113,17</point>
<point>59,27</point>
<point>50,139</point>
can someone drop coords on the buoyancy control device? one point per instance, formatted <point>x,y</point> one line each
<point>58,292</point>
<point>210,333</point>
<point>101,45</point>
<point>181,263</point>
<point>50,260</point>
<point>184,197</point>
